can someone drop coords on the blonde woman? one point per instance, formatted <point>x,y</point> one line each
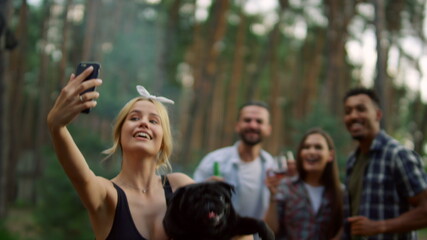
<point>132,204</point>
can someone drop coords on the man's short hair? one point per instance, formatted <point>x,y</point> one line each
<point>361,90</point>
<point>254,103</point>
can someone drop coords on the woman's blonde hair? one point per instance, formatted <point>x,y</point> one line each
<point>165,148</point>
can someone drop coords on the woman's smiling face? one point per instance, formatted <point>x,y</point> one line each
<point>315,153</point>
<point>142,129</point>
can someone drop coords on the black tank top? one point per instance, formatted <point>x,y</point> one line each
<point>123,225</point>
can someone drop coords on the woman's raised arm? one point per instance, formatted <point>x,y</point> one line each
<point>67,107</point>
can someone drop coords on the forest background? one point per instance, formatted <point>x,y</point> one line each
<point>299,56</point>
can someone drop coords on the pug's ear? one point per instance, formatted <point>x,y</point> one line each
<point>180,195</point>
<point>228,187</point>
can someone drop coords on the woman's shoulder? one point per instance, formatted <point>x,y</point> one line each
<point>178,180</point>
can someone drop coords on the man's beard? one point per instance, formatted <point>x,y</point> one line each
<point>249,141</point>
<point>358,137</point>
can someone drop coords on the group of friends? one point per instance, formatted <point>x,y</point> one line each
<point>383,196</point>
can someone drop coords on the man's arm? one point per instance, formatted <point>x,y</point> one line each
<point>413,219</point>
<point>205,169</point>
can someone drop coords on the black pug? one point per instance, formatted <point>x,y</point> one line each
<point>203,211</point>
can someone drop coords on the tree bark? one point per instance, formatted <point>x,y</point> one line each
<point>207,58</point>
<point>189,122</point>
<point>64,44</point>
<point>214,123</point>
<point>380,84</point>
<point>264,57</point>
<point>420,136</point>
<point>15,98</point>
<point>311,63</point>
<point>273,143</point>
<point>339,13</point>
<point>44,100</point>
<point>91,14</point>
<point>4,146</point>
<point>231,106</point>
<point>209,76</point>
<point>165,67</point>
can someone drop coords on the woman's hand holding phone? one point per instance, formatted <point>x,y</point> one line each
<point>71,101</point>
<point>81,67</point>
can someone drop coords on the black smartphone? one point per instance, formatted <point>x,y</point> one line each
<point>95,73</point>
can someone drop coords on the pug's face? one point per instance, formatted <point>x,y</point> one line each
<point>203,211</point>
<point>207,205</point>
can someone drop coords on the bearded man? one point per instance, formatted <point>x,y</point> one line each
<point>244,164</point>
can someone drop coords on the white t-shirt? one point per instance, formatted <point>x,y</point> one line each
<point>250,186</point>
<point>315,195</point>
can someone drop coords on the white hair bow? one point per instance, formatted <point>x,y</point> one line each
<point>143,92</point>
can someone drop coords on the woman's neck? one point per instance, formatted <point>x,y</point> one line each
<point>314,179</point>
<point>137,174</point>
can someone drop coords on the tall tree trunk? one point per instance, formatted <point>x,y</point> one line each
<point>209,52</point>
<point>261,63</point>
<point>209,76</point>
<point>273,143</point>
<point>231,106</point>
<point>339,13</point>
<point>15,99</point>
<point>165,67</point>
<point>214,123</point>
<point>118,17</point>
<point>265,56</point>
<point>417,125</point>
<point>4,146</point>
<point>91,14</point>
<point>64,44</point>
<point>420,138</point>
<point>3,140</point>
<point>190,121</point>
<point>380,84</point>
<point>291,96</point>
<point>44,99</point>
<point>311,62</point>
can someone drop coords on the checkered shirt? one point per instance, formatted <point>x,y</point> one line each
<point>393,174</point>
<point>298,221</point>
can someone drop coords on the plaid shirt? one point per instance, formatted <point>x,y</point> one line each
<point>296,216</point>
<point>393,174</point>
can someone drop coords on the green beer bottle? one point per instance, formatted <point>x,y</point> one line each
<point>216,170</point>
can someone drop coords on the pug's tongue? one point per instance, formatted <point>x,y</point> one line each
<point>211,215</point>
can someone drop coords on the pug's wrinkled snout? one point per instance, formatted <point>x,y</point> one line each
<point>213,211</point>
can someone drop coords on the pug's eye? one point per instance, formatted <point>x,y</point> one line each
<point>221,198</point>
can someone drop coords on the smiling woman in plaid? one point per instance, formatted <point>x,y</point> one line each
<point>309,206</point>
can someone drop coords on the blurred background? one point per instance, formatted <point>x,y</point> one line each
<point>299,56</point>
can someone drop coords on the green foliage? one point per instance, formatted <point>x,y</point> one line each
<point>5,234</point>
<point>59,212</point>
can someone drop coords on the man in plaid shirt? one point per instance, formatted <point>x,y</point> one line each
<point>386,185</point>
